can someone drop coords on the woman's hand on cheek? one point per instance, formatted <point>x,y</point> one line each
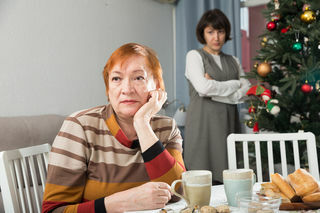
<point>151,107</point>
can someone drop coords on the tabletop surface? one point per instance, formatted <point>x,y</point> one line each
<point>218,197</point>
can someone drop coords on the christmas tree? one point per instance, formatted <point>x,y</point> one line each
<point>286,93</point>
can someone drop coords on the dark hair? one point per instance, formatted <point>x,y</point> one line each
<point>217,20</point>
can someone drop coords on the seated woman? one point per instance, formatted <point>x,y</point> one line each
<point>120,156</point>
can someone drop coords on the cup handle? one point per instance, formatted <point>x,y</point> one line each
<point>254,179</point>
<point>173,185</point>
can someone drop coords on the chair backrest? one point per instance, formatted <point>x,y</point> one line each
<point>23,176</point>
<point>270,142</point>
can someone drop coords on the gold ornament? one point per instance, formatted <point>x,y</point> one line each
<point>308,16</point>
<point>317,85</point>
<point>264,69</point>
<point>250,123</point>
<point>256,65</point>
<point>264,41</point>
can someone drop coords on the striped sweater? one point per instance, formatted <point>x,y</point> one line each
<point>91,158</point>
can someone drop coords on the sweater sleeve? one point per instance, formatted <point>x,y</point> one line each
<point>236,97</point>
<point>66,177</point>
<point>164,162</point>
<point>205,87</point>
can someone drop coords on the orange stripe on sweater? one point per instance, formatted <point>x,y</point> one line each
<point>60,193</point>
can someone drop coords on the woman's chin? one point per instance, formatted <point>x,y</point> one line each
<point>129,113</point>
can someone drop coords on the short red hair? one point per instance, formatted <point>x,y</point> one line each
<point>124,52</point>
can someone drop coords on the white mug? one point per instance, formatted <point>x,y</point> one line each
<point>196,187</point>
<point>236,181</point>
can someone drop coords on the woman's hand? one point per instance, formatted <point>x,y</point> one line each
<point>151,195</point>
<point>153,105</point>
<point>207,76</point>
<point>141,120</point>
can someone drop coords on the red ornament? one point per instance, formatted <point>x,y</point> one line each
<point>271,25</point>
<point>284,30</point>
<point>252,109</point>
<point>256,127</point>
<point>306,88</point>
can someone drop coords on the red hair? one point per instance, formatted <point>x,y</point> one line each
<point>124,52</point>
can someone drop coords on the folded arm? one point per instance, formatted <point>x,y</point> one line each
<point>207,87</point>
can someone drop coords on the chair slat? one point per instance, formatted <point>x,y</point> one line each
<point>270,158</point>
<point>283,156</point>
<point>17,168</point>
<point>258,160</point>
<point>296,155</point>
<point>42,172</point>
<point>27,184</point>
<point>245,154</point>
<point>35,183</point>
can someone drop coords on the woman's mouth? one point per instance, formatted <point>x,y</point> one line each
<point>128,102</point>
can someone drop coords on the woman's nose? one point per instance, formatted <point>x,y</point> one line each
<point>127,86</point>
<point>215,35</point>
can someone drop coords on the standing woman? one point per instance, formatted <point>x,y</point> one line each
<point>215,87</point>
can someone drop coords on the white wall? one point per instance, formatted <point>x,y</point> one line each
<point>52,52</point>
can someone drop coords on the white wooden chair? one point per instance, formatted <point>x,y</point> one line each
<point>284,140</point>
<point>19,193</point>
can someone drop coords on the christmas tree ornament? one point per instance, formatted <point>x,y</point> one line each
<point>297,46</point>
<point>272,107</point>
<point>256,90</point>
<point>308,16</point>
<point>306,88</point>
<point>264,41</point>
<point>264,69</point>
<point>250,123</point>
<point>275,17</point>
<point>284,30</point>
<point>257,64</point>
<point>252,109</point>
<point>305,7</point>
<point>317,86</point>
<point>276,4</point>
<point>271,25</point>
<point>266,96</point>
<point>256,127</point>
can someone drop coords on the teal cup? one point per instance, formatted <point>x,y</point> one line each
<point>237,181</point>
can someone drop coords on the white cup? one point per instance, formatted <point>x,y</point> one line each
<point>237,181</point>
<point>196,186</point>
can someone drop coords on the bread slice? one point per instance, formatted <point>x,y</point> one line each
<point>314,197</point>
<point>284,187</point>
<point>303,182</point>
<point>269,185</point>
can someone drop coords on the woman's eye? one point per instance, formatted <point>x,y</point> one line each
<point>115,78</point>
<point>139,78</point>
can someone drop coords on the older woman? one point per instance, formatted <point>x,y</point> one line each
<point>120,156</point>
